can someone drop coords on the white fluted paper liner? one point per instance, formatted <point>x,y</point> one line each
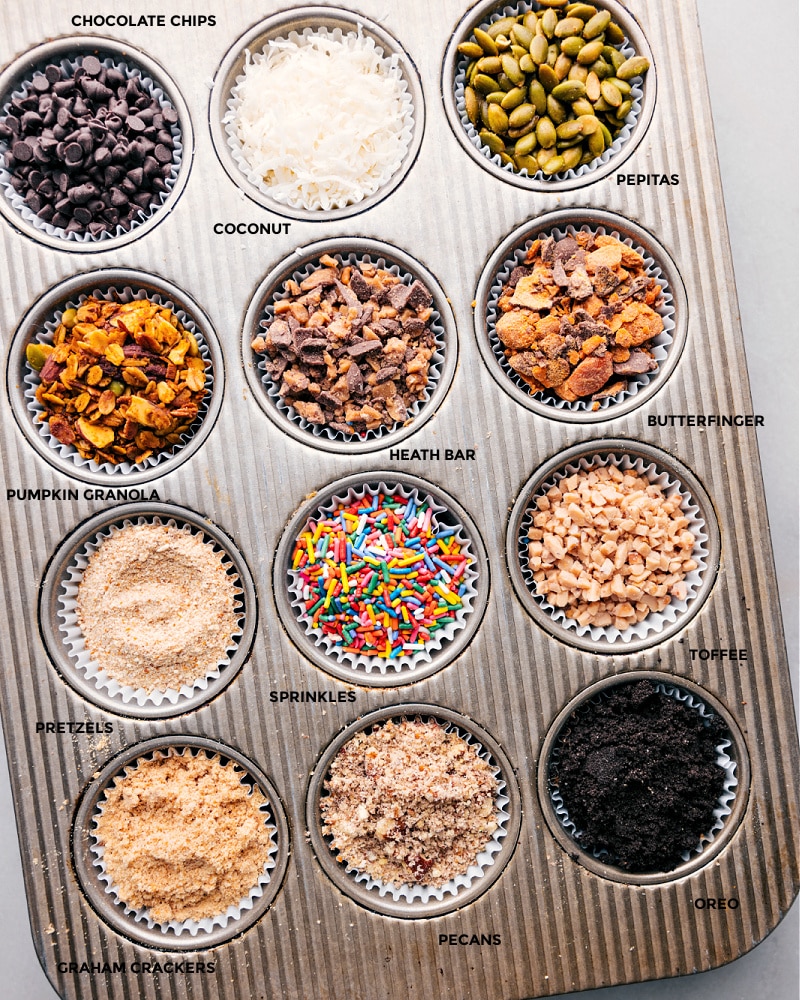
<point>75,642</point>
<point>587,168</point>
<point>18,202</point>
<point>391,64</point>
<point>67,452</point>
<point>434,371</point>
<point>655,621</point>
<point>725,802</point>
<point>660,345</point>
<point>426,893</point>
<point>190,927</point>
<point>406,662</point>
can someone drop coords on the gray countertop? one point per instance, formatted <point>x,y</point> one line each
<point>755,116</point>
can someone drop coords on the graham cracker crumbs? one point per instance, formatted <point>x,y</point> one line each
<point>156,607</point>
<point>609,547</point>
<point>409,802</point>
<point>183,837</point>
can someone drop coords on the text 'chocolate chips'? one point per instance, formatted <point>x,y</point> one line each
<point>88,152</point>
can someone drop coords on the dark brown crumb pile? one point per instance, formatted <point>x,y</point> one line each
<point>638,775</point>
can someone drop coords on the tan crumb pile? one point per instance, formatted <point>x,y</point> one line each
<point>609,547</point>
<point>183,837</point>
<point>409,802</point>
<point>156,607</point>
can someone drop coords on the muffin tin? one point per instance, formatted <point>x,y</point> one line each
<point>544,921</point>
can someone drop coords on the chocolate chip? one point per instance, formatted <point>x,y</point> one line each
<point>22,152</point>
<point>92,65</point>
<point>82,215</point>
<point>135,124</point>
<point>73,153</point>
<point>52,73</point>
<point>163,154</point>
<point>40,83</point>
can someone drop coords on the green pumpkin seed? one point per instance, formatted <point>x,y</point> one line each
<point>593,86</point>
<point>622,86</point>
<point>37,355</point>
<point>117,387</point>
<point>492,141</point>
<point>473,105</point>
<point>601,68</point>
<point>606,135</point>
<point>522,115</point>
<point>569,90</point>
<point>616,59</point>
<point>490,65</point>
<point>589,124</point>
<point>471,71</point>
<point>537,96</point>
<point>582,10</point>
<point>485,41</point>
<point>485,113</point>
<point>512,70</point>
<point>498,119</point>
<point>572,157</point>
<point>525,145</point>
<point>554,166</point>
<point>596,143</point>
<point>569,130</point>
<point>556,111</point>
<point>513,98</point>
<point>503,43</point>
<point>522,36</point>
<point>543,156</point>
<point>517,133</point>
<point>590,53</point>
<point>578,73</point>
<point>500,27</point>
<point>547,78</point>
<point>504,83</point>
<point>496,97</point>
<point>610,94</point>
<point>526,64</point>
<point>531,22</point>
<point>569,26</point>
<point>572,46</point>
<point>549,22</point>
<point>546,133</point>
<point>582,108</point>
<point>597,25</point>
<point>624,109</point>
<point>635,66</point>
<point>563,66</point>
<point>553,52</point>
<point>471,49</point>
<point>602,106</point>
<point>485,84</point>
<point>526,163</point>
<point>614,33</point>
<point>506,160</point>
<point>539,47</point>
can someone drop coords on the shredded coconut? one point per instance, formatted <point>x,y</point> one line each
<point>156,607</point>
<point>183,837</point>
<point>324,121</point>
<point>409,803</point>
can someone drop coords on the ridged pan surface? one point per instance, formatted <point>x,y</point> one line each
<point>558,926</point>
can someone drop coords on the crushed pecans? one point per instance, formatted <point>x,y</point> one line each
<point>350,347</point>
<point>409,802</point>
<point>121,381</point>
<point>609,547</point>
<point>579,318</point>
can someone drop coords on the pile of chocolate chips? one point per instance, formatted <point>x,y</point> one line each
<point>638,774</point>
<point>88,152</point>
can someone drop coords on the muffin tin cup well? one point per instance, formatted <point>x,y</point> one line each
<point>733,758</point>
<point>155,79</point>
<point>65,642</point>
<point>659,265</point>
<point>38,325</point>
<point>280,26</point>
<point>415,902</point>
<point>352,251</point>
<point>632,133</point>
<point>372,670</point>
<point>189,935</point>
<point>671,476</point>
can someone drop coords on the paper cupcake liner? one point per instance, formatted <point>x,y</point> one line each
<point>586,169</point>
<point>406,662</point>
<point>319,431</point>
<point>390,61</point>
<point>192,928</point>
<point>725,801</point>
<point>75,642</point>
<point>18,202</point>
<point>68,453</point>
<point>661,344</point>
<point>423,894</point>
<point>655,622</point>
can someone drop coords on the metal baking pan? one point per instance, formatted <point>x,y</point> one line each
<point>560,925</point>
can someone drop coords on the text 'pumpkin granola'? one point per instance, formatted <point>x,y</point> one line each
<point>409,802</point>
<point>578,318</point>
<point>121,381</point>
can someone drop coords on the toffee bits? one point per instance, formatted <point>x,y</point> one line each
<point>90,151</point>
